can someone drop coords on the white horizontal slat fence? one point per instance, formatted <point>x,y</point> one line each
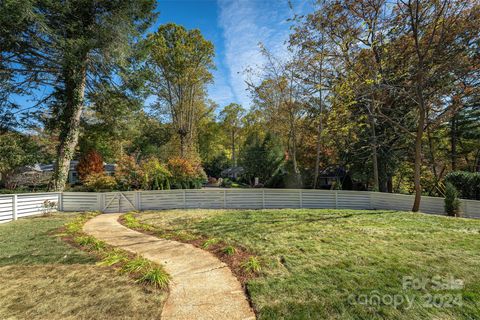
<point>255,199</point>
<point>21,205</point>
<point>14,206</point>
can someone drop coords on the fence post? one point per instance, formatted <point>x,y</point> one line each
<point>224,199</point>
<point>14,207</point>
<point>336,199</point>
<point>263,198</point>
<point>60,202</point>
<point>99,202</point>
<point>301,200</point>
<point>119,202</point>
<point>184,199</point>
<point>102,201</point>
<point>138,200</point>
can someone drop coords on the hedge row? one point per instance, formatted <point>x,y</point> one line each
<point>466,183</point>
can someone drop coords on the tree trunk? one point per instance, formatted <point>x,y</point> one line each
<point>317,157</point>
<point>421,107</point>
<point>319,129</point>
<point>294,158</point>
<point>234,158</point>
<point>183,147</point>
<point>75,81</point>
<point>374,155</point>
<point>389,184</point>
<point>418,159</point>
<point>453,141</point>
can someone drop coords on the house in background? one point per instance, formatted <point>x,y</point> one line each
<point>73,178</point>
<point>330,176</point>
<point>232,172</point>
<point>39,174</point>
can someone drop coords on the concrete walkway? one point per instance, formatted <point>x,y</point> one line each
<point>201,287</point>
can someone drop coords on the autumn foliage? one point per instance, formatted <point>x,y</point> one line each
<point>90,163</point>
<point>128,173</point>
<point>186,173</point>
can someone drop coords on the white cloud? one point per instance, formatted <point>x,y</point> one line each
<point>245,24</point>
<point>220,91</point>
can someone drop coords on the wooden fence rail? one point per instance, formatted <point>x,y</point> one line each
<point>21,205</point>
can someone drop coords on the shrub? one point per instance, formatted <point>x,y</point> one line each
<point>128,173</point>
<point>48,207</point>
<point>226,183</point>
<point>155,175</point>
<point>90,163</point>
<point>466,183</point>
<point>452,204</point>
<point>186,174</point>
<point>99,182</point>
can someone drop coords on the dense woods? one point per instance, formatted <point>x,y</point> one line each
<point>372,95</point>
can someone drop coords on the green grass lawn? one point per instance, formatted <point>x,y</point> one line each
<point>324,264</point>
<point>42,277</point>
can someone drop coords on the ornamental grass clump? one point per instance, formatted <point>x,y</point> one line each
<point>131,222</point>
<point>252,265</point>
<point>137,265</point>
<point>155,276</point>
<point>114,257</point>
<point>229,250</point>
<point>147,272</point>
<point>90,243</point>
<point>209,243</point>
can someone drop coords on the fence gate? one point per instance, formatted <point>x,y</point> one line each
<point>119,202</point>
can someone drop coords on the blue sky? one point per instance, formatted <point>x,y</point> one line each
<point>235,27</point>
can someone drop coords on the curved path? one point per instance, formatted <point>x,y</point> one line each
<point>201,286</point>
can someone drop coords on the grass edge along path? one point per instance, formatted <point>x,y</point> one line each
<point>242,262</point>
<point>142,270</point>
<point>202,286</point>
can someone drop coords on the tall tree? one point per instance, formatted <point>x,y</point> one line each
<point>439,38</point>
<point>69,47</point>
<point>280,96</point>
<point>231,117</point>
<point>180,61</point>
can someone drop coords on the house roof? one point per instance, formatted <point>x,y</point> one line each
<point>332,172</point>
<point>109,167</point>
<point>232,170</point>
